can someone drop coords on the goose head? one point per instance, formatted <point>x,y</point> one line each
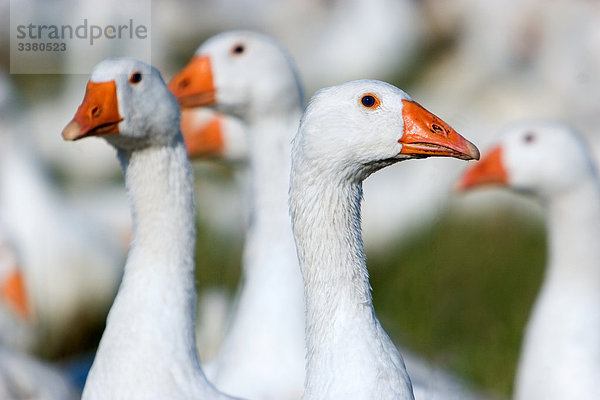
<point>208,134</point>
<point>539,157</point>
<point>361,126</point>
<point>126,102</point>
<point>243,73</point>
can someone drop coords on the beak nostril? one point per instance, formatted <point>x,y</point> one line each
<point>96,111</point>
<point>435,128</point>
<point>185,82</point>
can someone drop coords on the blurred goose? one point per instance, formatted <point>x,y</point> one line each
<point>25,378</point>
<point>70,266</point>
<point>222,137</point>
<point>147,350</point>
<point>348,132</point>
<point>249,75</point>
<point>65,264</point>
<point>560,355</point>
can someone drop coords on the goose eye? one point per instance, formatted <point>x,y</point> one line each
<point>238,49</point>
<point>529,138</point>
<point>370,101</point>
<point>136,77</point>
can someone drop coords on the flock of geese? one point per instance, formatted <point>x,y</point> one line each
<point>303,324</point>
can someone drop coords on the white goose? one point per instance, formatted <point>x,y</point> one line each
<point>258,82</point>
<point>348,132</point>
<point>70,266</point>
<point>23,377</point>
<point>560,357</point>
<point>147,350</point>
<point>250,75</point>
<point>224,137</point>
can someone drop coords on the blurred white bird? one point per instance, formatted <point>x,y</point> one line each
<point>69,264</point>
<point>25,378</point>
<point>262,355</point>
<point>560,356</point>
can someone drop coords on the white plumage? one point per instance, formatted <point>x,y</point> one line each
<point>348,132</point>
<point>147,350</point>
<point>560,356</point>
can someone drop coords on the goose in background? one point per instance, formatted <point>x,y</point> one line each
<point>66,263</point>
<point>250,76</point>
<point>540,55</point>
<point>71,265</point>
<point>147,350</point>
<point>348,132</point>
<point>253,87</point>
<point>560,356</point>
<point>221,137</point>
<point>225,138</point>
<point>22,377</point>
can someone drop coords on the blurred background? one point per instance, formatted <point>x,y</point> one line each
<point>453,275</point>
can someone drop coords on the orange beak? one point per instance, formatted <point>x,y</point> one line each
<point>97,115</point>
<point>489,171</point>
<point>13,293</point>
<point>426,135</point>
<point>193,86</point>
<point>202,138</point>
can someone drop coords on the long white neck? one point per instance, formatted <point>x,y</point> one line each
<point>573,230</point>
<point>270,252</point>
<point>270,174</point>
<point>561,350</point>
<point>148,347</point>
<point>262,355</point>
<point>349,355</point>
<point>159,185</point>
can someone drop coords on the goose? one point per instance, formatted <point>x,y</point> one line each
<point>560,356</point>
<point>23,377</point>
<point>262,355</point>
<point>264,80</point>
<point>348,132</point>
<point>222,137</point>
<point>147,350</point>
<point>70,265</point>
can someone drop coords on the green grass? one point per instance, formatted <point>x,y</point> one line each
<point>218,259</point>
<point>460,291</point>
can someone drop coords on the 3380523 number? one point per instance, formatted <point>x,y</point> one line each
<point>35,46</point>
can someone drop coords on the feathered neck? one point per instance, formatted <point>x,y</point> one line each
<point>348,352</point>
<point>148,347</point>
<point>573,232</point>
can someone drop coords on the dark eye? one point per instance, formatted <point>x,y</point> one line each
<point>136,77</point>
<point>370,101</point>
<point>529,138</point>
<point>238,49</point>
